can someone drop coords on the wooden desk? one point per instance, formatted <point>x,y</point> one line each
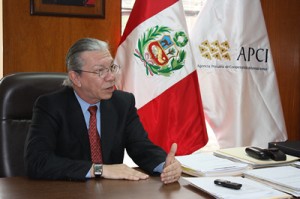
<point>22,187</point>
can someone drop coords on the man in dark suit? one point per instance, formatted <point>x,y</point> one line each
<point>58,146</point>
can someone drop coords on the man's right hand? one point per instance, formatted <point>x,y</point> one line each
<point>122,171</point>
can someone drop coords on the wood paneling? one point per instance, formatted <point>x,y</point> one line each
<point>40,43</point>
<point>283,24</point>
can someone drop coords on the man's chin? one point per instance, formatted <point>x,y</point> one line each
<point>107,95</point>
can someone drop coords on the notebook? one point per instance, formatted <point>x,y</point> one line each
<point>239,154</point>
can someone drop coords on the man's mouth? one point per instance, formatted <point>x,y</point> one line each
<point>110,88</point>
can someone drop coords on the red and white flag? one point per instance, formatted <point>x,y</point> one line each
<point>157,66</point>
<point>237,75</point>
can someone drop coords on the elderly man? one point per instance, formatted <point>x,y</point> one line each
<point>82,130</point>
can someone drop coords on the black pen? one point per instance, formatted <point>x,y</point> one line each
<point>228,184</point>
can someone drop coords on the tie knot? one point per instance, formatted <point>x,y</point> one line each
<point>92,110</point>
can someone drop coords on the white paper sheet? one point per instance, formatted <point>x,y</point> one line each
<point>250,189</point>
<point>206,164</point>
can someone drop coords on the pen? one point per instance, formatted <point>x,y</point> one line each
<point>228,184</point>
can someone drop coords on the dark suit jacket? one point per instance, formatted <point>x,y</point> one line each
<point>57,145</point>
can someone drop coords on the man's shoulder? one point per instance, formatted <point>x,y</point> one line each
<point>120,93</point>
<point>59,94</point>
<point>120,98</point>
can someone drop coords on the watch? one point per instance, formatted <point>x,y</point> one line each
<point>98,170</point>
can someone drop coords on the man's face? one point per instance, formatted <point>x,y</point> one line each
<point>90,86</point>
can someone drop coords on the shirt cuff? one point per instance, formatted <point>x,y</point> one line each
<point>159,168</point>
<point>88,175</point>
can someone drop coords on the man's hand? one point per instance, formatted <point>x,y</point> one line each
<point>172,168</point>
<point>122,171</point>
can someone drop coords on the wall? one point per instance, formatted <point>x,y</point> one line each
<point>283,25</point>
<point>37,43</point>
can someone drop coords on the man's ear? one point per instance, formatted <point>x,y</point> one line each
<point>75,78</point>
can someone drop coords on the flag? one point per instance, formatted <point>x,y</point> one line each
<point>237,75</point>
<point>157,67</point>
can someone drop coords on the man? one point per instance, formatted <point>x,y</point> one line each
<point>58,143</point>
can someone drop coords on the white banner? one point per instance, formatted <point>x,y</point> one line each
<point>237,75</point>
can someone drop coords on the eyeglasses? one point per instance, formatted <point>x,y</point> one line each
<point>102,72</point>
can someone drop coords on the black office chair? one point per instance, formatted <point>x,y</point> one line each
<point>18,93</point>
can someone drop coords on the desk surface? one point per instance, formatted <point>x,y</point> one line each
<point>22,187</point>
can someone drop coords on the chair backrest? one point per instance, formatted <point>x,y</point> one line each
<point>18,93</point>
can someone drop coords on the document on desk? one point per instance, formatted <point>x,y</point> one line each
<point>296,164</point>
<point>250,189</point>
<point>206,164</point>
<point>238,154</point>
<point>284,178</point>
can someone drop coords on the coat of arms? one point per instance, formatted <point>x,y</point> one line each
<point>160,51</point>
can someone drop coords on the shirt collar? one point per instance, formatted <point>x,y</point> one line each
<point>84,105</point>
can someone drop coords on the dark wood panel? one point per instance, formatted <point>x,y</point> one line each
<point>39,43</point>
<point>283,24</point>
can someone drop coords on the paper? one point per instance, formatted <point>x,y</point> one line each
<point>249,190</point>
<point>284,178</point>
<point>239,154</point>
<point>296,164</point>
<point>204,164</point>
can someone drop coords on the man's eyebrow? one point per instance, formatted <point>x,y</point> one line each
<point>98,66</point>
<point>102,66</point>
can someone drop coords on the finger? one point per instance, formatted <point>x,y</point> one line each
<point>141,175</point>
<point>172,173</point>
<point>171,154</point>
<point>170,179</point>
<point>122,171</point>
<point>136,175</point>
<point>173,149</point>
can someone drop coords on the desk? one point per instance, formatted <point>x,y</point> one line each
<point>22,187</point>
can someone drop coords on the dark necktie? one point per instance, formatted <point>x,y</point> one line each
<point>95,144</point>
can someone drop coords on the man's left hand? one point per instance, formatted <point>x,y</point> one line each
<point>172,168</point>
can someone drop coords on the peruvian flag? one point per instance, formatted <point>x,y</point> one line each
<point>158,68</point>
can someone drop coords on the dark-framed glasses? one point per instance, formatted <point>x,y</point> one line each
<point>102,72</point>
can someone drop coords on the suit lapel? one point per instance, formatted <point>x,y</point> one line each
<point>108,128</point>
<point>78,123</point>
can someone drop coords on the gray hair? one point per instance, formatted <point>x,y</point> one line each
<point>73,59</point>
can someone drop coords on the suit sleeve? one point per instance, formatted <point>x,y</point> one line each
<point>143,152</point>
<point>44,158</point>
